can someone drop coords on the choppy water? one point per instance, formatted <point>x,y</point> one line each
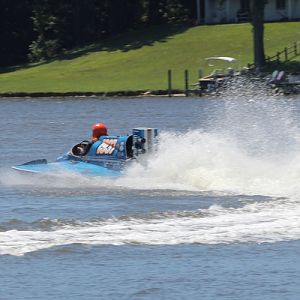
<point>214,214</point>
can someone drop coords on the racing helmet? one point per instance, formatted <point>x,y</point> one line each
<point>98,129</point>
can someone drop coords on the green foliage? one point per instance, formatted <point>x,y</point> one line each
<point>45,24</point>
<point>167,11</point>
<point>42,49</point>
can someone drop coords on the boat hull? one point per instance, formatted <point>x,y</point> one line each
<point>106,157</point>
<point>58,167</point>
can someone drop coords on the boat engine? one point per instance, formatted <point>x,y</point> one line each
<point>143,140</point>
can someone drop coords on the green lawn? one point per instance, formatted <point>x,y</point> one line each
<point>140,60</point>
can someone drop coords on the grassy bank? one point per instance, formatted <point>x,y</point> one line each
<point>140,60</point>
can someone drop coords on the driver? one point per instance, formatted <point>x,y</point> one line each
<point>98,130</point>
<point>82,148</point>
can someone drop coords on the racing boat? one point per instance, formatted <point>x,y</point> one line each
<point>106,157</point>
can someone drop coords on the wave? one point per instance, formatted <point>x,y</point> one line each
<point>259,222</point>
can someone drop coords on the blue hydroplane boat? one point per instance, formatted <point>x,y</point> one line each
<point>106,157</point>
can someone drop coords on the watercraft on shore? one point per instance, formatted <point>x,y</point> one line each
<point>106,157</point>
<point>224,68</point>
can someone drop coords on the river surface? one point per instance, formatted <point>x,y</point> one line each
<point>213,214</point>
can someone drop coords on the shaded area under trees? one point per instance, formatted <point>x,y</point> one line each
<point>41,29</point>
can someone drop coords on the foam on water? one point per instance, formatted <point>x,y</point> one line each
<point>271,221</point>
<point>214,162</point>
<point>250,147</point>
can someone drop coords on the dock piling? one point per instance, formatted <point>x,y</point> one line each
<point>170,83</point>
<point>186,81</point>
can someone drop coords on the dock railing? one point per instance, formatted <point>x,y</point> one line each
<point>282,56</point>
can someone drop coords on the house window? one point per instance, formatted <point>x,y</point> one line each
<point>280,4</point>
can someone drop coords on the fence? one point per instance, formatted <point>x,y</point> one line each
<point>285,55</point>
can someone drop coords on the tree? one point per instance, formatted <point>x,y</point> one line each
<point>42,29</point>
<point>45,24</point>
<point>15,31</point>
<point>257,13</point>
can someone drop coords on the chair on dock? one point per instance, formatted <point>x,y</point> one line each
<point>277,77</point>
<point>288,84</point>
<point>273,76</point>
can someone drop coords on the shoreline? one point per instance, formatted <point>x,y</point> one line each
<point>161,93</point>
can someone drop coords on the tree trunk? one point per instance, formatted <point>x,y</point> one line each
<point>257,14</point>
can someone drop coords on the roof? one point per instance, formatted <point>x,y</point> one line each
<point>223,58</point>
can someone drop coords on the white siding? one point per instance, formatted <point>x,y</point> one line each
<point>234,6</point>
<point>273,14</point>
<point>291,11</point>
<point>295,14</point>
<point>209,11</point>
<point>227,13</point>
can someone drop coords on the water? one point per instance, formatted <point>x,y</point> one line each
<point>214,214</point>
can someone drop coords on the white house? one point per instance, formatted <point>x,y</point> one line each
<point>231,11</point>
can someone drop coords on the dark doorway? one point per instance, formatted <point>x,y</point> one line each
<point>243,14</point>
<point>245,5</point>
<point>202,11</point>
